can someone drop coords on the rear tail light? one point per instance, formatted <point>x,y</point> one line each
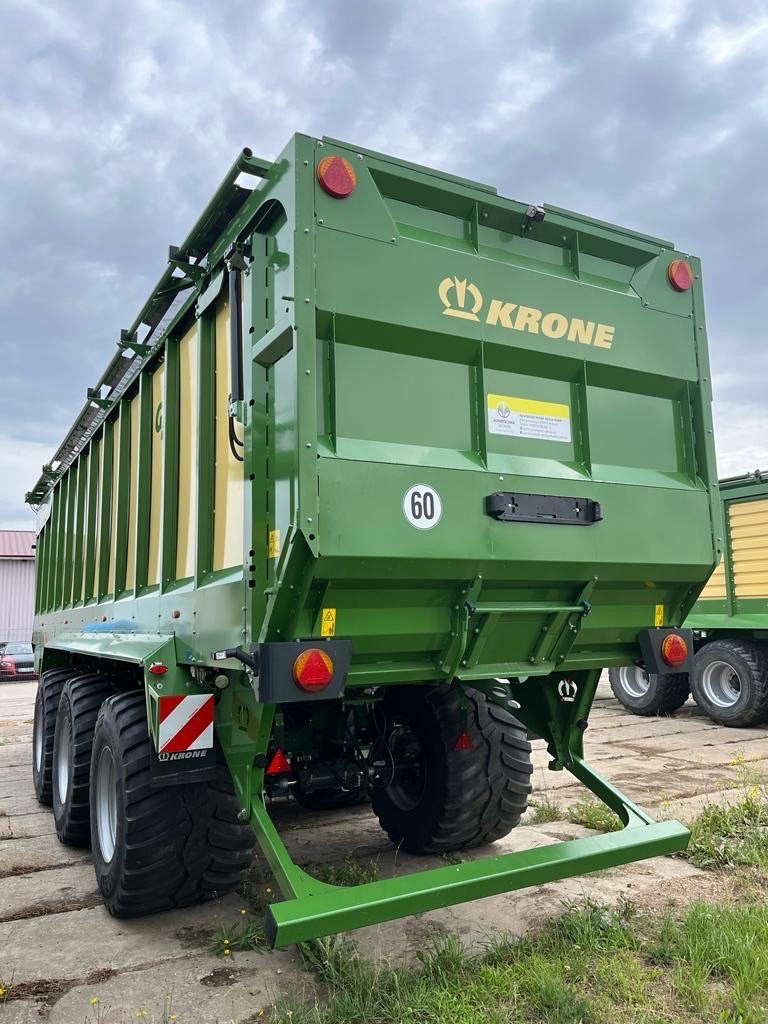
<point>680,275</point>
<point>336,176</point>
<point>313,670</point>
<point>674,650</point>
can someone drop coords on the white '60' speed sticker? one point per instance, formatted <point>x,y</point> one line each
<point>422,506</point>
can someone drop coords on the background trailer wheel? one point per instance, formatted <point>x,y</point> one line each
<point>648,693</point>
<point>729,682</point>
<point>46,708</point>
<point>157,848</point>
<point>79,706</point>
<point>451,778</point>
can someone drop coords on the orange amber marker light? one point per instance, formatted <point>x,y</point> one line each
<point>337,176</point>
<point>313,670</point>
<point>680,275</point>
<point>674,650</point>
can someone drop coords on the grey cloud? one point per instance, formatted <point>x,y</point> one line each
<point>118,122</point>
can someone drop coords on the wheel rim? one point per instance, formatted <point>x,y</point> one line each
<point>63,751</point>
<point>634,680</point>
<point>106,804</point>
<point>38,739</point>
<point>721,684</point>
<point>409,777</point>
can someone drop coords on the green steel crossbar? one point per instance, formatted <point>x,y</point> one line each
<point>335,909</point>
<point>314,908</point>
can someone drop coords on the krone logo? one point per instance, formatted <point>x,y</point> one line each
<point>567,690</point>
<point>463,292</point>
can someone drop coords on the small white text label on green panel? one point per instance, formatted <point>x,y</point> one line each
<point>524,417</point>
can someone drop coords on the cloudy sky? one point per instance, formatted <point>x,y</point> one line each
<point>117,122</point>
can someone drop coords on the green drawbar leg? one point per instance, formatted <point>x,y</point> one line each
<point>314,908</point>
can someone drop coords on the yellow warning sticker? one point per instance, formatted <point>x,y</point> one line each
<point>328,622</point>
<point>659,615</point>
<point>524,417</point>
<point>274,543</point>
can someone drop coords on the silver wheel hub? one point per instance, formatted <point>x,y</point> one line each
<point>634,680</point>
<point>63,752</point>
<point>721,684</point>
<point>106,804</point>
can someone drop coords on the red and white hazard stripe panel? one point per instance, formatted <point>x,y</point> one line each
<point>186,723</point>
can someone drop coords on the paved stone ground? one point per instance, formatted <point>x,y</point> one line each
<point>59,948</point>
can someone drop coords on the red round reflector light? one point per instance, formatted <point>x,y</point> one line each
<point>674,649</point>
<point>313,670</point>
<point>680,275</point>
<point>337,176</point>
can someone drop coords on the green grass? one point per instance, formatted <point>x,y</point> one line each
<point>349,872</point>
<point>594,814</point>
<point>593,965</point>
<point>545,809</point>
<point>732,835</point>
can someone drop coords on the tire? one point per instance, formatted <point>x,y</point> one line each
<point>649,693</point>
<point>158,848</point>
<point>439,798</point>
<point>79,706</point>
<point>729,682</point>
<point>46,707</point>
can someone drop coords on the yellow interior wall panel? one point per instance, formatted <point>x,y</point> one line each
<point>188,391</point>
<point>715,590</point>
<point>130,569</point>
<point>156,491</point>
<point>749,544</point>
<point>113,510</point>
<point>228,472</point>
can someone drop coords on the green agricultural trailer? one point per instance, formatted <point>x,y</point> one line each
<point>728,677</point>
<point>384,471</point>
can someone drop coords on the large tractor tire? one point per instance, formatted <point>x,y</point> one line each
<point>649,693</point>
<point>79,706</point>
<point>452,779</point>
<point>46,708</point>
<point>158,848</point>
<point>729,682</point>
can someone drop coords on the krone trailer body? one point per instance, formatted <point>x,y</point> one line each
<point>728,677</point>
<point>384,471</point>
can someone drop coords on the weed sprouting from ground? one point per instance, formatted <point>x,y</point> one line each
<point>594,814</point>
<point>731,835</point>
<point>593,965</point>
<point>102,1013</point>
<point>545,809</point>
<point>246,935</point>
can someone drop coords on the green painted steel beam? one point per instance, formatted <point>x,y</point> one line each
<point>325,913</point>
